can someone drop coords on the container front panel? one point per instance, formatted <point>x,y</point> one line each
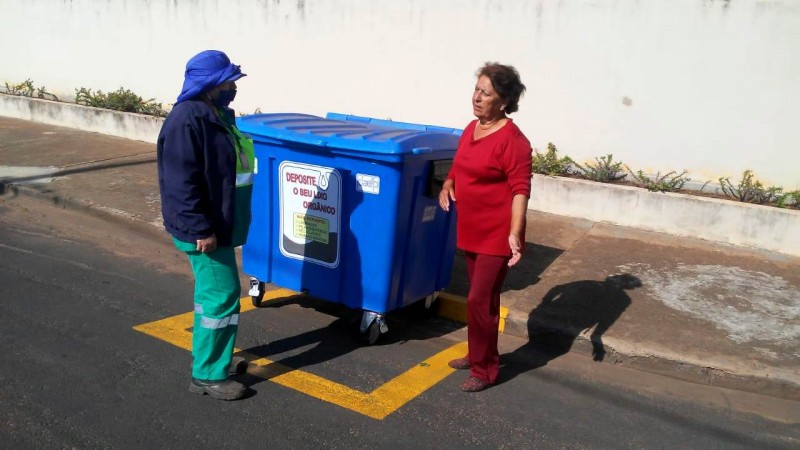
<point>323,224</point>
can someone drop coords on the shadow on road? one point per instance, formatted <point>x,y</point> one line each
<point>339,337</point>
<point>566,311</point>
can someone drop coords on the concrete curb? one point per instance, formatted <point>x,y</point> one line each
<point>129,221</point>
<point>515,323</point>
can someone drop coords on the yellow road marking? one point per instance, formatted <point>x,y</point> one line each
<point>454,307</point>
<point>377,404</point>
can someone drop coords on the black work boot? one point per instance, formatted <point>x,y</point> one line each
<point>238,366</point>
<point>220,389</point>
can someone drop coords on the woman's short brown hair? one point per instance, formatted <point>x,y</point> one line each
<point>505,80</point>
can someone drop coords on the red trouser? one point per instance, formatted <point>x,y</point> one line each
<point>486,274</point>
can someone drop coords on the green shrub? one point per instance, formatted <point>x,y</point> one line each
<point>750,190</point>
<point>26,89</point>
<point>788,199</point>
<point>119,100</point>
<point>604,171</point>
<point>669,182</point>
<point>550,164</point>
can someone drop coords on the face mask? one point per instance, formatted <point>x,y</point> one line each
<point>224,98</point>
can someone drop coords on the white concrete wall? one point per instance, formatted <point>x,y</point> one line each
<point>705,85</point>
<point>727,221</point>
<point>138,127</point>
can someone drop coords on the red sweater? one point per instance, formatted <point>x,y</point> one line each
<point>488,173</point>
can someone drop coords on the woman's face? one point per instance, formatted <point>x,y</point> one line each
<point>486,102</point>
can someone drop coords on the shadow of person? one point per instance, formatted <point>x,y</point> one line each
<point>566,311</point>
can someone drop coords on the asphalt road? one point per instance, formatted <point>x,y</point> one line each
<point>76,374</point>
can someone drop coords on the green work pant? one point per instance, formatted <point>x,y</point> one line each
<point>216,310</point>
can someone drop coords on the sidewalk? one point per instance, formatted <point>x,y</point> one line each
<point>692,309</point>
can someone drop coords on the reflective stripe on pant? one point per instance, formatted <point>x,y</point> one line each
<point>216,311</point>
<point>486,274</point>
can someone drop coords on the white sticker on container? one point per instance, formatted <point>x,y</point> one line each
<point>370,184</point>
<point>310,217</point>
<point>429,214</point>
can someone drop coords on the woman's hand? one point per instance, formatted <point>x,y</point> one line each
<point>519,205</point>
<point>516,249</point>
<point>448,193</point>
<point>207,245</point>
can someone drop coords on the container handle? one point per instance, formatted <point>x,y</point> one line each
<point>309,139</point>
<point>422,150</point>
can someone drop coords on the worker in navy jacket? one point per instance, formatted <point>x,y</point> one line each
<point>205,174</point>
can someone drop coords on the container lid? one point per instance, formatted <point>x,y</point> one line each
<point>354,133</point>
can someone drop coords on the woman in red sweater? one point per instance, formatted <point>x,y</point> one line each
<point>491,178</point>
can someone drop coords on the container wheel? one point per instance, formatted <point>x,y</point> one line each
<point>427,307</point>
<point>371,335</point>
<point>256,292</point>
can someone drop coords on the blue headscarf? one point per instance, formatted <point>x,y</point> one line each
<point>205,71</point>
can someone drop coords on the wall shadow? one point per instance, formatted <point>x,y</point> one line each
<point>564,312</point>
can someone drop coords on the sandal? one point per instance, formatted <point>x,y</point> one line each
<point>473,384</point>
<point>459,364</point>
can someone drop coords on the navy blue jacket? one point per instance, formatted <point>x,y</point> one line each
<point>196,174</point>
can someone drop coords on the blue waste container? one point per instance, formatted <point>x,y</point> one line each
<point>345,209</point>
